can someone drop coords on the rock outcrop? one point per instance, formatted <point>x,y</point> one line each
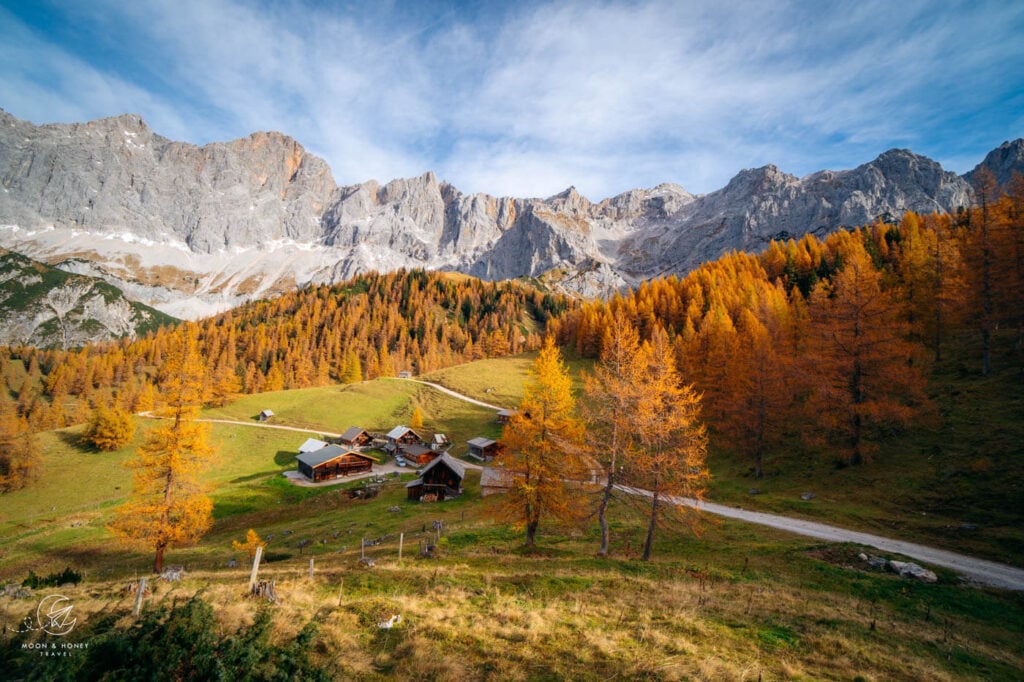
<point>194,230</point>
<point>48,308</point>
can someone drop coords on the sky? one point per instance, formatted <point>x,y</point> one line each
<point>528,98</point>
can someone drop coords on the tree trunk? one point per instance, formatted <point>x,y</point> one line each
<point>650,527</point>
<point>158,563</point>
<point>602,519</point>
<point>531,533</point>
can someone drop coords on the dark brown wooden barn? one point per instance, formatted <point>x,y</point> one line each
<point>334,461</point>
<point>439,480</point>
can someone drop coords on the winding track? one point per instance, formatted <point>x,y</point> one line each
<point>980,571</point>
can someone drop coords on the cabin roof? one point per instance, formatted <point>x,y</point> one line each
<point>312,445</point>
<point>452,463</point>
<point>352,433</point>
<point>315,459</point>
<point>415,449</point>
<point>400,431</point>
<point>267,413</point>
<point>492,477</point>
<point>482,442</point>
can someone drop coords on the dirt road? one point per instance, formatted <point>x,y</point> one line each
<point>978,570</point>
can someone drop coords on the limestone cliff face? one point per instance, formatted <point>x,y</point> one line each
<point>115,176</point>
<point>193,230</point>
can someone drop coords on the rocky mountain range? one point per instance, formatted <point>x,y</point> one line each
<point>193,230</point>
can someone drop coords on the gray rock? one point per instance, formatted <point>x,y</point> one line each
<point>911,570</point>
<point>807,496</point>
<point>193,230</point>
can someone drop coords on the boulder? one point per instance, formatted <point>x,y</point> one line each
<point>906,569</point>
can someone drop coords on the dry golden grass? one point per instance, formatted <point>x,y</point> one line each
<point>524,618</point>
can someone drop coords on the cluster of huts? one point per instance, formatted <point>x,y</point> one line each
<point>439,475</point>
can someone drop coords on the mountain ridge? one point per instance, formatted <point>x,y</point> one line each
<point>193,230</point>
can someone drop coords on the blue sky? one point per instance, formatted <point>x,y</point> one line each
<point>525,99</point>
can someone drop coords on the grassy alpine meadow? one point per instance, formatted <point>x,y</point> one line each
<point>738,602</point>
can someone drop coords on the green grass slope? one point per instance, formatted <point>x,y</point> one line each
<point>740,602</point>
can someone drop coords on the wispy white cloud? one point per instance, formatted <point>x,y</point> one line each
<point>526,100</point>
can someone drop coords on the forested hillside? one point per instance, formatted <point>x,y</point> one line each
<point>375,325</point>
<point>836,338</point>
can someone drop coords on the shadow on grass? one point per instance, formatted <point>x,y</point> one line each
<point>253,477</point>
<point>284,458</point>
<point>100,562</point>
<point>75,440</point>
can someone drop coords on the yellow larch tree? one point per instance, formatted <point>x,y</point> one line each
<point>252,542</point>
<point>612,395</point>
<point>543,458</point>
<point>109,429</point>
<point>671,461</point>
<point>168,506</point>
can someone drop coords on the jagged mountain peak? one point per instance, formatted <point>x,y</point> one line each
<point>1003,162</point>
<point>195,229</point>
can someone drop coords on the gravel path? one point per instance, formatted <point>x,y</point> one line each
<point>464,398</point>
<point>977,570</point>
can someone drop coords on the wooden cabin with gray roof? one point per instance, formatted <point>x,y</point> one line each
<point>334,461</point>
<point>439,480</point>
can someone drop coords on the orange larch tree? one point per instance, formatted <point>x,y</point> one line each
<point>612,396</point>
<point>670,462</point>
<point>862,369</point>
<point>543,454</point>
<point>168,506</point>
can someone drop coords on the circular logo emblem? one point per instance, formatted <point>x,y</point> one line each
<point>54,615</point>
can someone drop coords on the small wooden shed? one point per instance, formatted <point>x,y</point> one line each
<point>483,449</point>
<point>439,480</point>
<point>265,415</point>
<point>356,437</point>
<point>495,481</point>
<point>333,461</point>
<point>504,416</point>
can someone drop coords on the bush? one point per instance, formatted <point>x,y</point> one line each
<point>67,576</point>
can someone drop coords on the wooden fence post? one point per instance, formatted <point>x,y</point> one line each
<point>401,539</point>
<point>138,596</point>
<point>310,567</point>
<point>255,567</point>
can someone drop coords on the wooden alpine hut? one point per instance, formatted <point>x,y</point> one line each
<point>439,480</point>
<point>333,461</point>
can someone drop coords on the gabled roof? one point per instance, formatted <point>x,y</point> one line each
<point>315,459</point>
<point>482,442</point>
<point>267,413</point>
<point>506,412</point>
<point>415,450</point>
<point>400,431</point>
<point>440,438</point>
<point>452,463</point>
<point>312,445</point>
<point>352,433</point>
